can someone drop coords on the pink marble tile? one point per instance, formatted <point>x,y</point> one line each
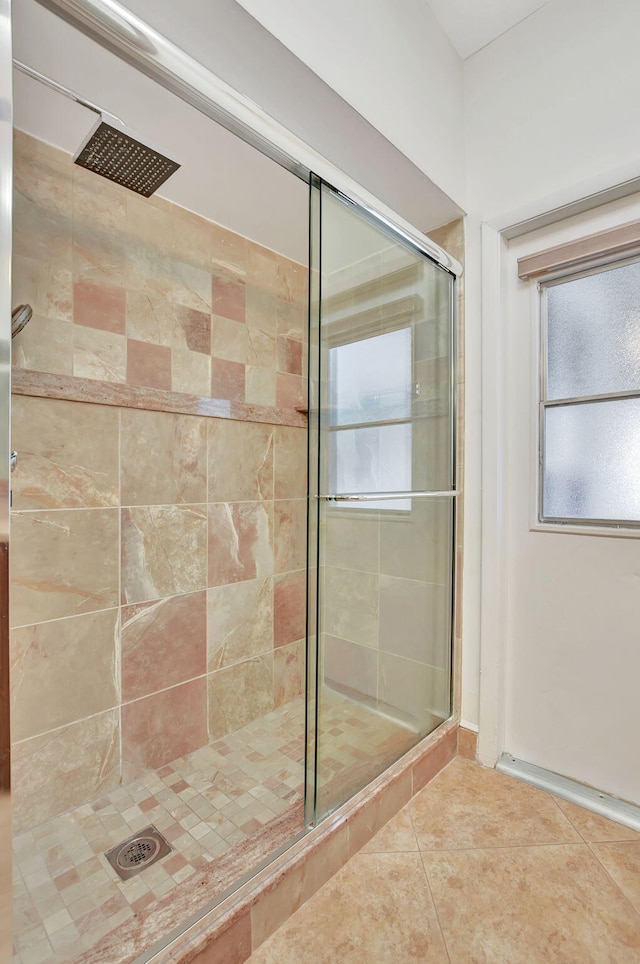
<point>240,542</point>
<point>290,391</point>
<point>148,365</point>
<point>289,355</point>
<point>227,380</point>
<point>228,298</point>
<point>289,607</point>
<point>436,757</point>
<point>99,306</point>
<point>290,534</point>
<point>163,643</point>
<point>162,727</point>
<point>231,946</point>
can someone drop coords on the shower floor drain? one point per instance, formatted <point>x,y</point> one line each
<point>138,852</point>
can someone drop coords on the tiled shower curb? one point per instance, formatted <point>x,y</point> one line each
<point>240,924</point>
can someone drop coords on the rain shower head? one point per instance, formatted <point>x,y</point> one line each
<point>110,149</point>
<point>113,152</point>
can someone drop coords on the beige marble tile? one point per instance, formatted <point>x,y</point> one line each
<point>621,860</point>
<point>239,694</point>
<point>351,542</point>
<point>407,688</point>
<point>163,458</point>
<point>99,354</point>
<point>97,201</point>
<point>240,460</point>
<point>289,667</point>
<point>163,551</point>
<point>260,386</point>
<point>414,620</point>
<point>292,319</point>
<point>63,671</point>
<point>240,541</point>
<point>592,827</point>
<point>262,310</point>
<point>191,237</point>
<point>350,667</point>
<point>351,605</point>
<point>467,805</point>
<point>99,254</point>
<point>416,545</point>
<point>397,836</point>
<point>47,287</point>
<point>228,252</point>
<point>41,232</point>
<point>42,173</point>
<point>68,454</point>
<point>229,339</point>
<point>151,318</point>
<point>261,348</point>
<point>376,908</point>
<point>289,607</point>
<point>290,463</point>
<point>290,534</point>
<point>239,622</point>
<point>163,643</point>
<point>552,903</point>
<point>65,768</point>
<point>45,345</point>
<point>190,372</point>
<point>63,563</point>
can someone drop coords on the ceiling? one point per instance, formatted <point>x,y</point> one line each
<point>221,178</point>
<point>472,24</point>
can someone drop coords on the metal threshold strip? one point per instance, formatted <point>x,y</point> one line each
<point>386,496</point>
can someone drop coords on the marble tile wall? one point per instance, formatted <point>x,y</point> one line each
<point>157,590</point>
<point>138,291</point>
<point>157,572</point>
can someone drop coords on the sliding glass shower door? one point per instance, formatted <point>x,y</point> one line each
<point>382,498</point>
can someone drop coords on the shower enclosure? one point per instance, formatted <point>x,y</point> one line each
<point>233,520</point>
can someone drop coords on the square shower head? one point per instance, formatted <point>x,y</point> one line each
<point>114,153</point>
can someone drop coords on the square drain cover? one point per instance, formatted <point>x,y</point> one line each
<point>135,854</point>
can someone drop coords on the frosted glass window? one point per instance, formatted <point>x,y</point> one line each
<point>593,334</point>
<point>592,461</point>
<point>371,379</point>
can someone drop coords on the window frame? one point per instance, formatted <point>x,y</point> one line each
<point>338,339</point>
<point>574,524</point>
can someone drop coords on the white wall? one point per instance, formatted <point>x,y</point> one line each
<point>553,104</point>
<point>572,654</point>
<point>393,63</point>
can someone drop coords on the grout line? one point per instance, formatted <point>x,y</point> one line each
<point>608,873</point>
<point>435,906</point>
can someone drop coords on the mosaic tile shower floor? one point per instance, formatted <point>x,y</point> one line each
<point>225,806</point>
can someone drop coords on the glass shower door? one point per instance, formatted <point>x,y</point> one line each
<point>382,430</point>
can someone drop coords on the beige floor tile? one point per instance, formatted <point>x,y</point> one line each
<point>397,836</point>
<point>552,904</point>
<point>376,909</point>
<point>622,861</point>
<point>467,805</point>
<point>592,826</point>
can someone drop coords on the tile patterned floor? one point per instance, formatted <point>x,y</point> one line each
<point>225,799</point>
<point>477,869</point>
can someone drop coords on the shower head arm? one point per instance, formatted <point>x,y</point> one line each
<point>61,89</point>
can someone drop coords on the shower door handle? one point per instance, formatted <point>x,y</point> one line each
<point>387,496</point>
